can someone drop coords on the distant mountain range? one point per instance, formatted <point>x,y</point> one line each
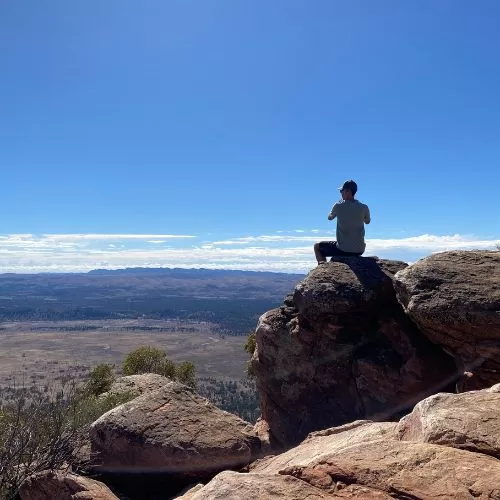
<point>189,273</point>
<point>232,299</point>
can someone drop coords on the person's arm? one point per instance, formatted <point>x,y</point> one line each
<point>333,212</point>
<point>367,218</point>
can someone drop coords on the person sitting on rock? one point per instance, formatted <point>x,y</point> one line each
<point>351,219</point>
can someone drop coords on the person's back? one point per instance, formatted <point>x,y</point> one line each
<point>351,216</point>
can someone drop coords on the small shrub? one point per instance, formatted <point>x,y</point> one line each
<point>251,343</point>
<point>43,428</point>
<point>249,347</point>
<point>146,359</point>
<point>101,379</point>
<point>185,374</point>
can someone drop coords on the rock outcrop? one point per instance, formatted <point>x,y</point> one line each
<point>468,421</point>
<point>239,486</point>
<point>235,486</point>
<point>454,298</point>
<point>172,430</point>
<point>51,485</point>
<point>340,349</point>
<point>366,459</point>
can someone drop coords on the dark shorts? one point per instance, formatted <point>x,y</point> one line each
<point>330,249</point>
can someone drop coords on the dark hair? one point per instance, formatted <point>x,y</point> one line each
<point>351,186</point>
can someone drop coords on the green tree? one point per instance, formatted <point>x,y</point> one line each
<point>185,373</point>
<point>147,359</point>
<point>101,379</point>
<point>251,343</point>
<point>249,347</point>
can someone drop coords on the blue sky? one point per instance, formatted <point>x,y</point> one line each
<point>220,130</point>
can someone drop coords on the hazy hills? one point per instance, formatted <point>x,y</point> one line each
<point>232,299</point>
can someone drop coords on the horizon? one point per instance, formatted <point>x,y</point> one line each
<point>216,134</point>
<point>289,252</point>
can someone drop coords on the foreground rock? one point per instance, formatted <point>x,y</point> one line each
<point>57,485</point>
<point>342,349</point>
<point>172,430</point>
<point>381,462</point>
<point>468,421</point>
<point>236,486</point>
<point>454,297</point>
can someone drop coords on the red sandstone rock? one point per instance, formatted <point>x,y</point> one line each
<point>468,421</point>
<point>454,297</point>
<point>369,455</point>
<point>342,349</point>
<point>236,486</point>
<point>50,485</point>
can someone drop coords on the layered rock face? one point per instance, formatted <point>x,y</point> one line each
<point>454,298</point>
<point>421,457</point>
<point>340,349</point>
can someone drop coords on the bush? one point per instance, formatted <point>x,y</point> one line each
<point>43,428</point>
<point>249,347</point>
<point>101,379</point>
<point>147,359</point>
<point>185,374</point>
<point>251,343</point>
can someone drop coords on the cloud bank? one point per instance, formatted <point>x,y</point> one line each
<point>282,251</point>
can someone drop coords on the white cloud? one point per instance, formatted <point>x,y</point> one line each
<point>288,253</point>
<point>97,237</point>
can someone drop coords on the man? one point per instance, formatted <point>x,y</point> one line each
<point>351,219</point>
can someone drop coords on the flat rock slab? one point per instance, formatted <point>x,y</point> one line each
<point>454,298</point>
<point>50,485</point>
<point>236,486</point>
<point>468,421</point>
<point>172,430</point>
<point>318,445</point>
<point>401,469</point>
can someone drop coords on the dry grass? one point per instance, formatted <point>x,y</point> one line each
<point>42,352</point>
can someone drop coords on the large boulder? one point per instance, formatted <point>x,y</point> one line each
<point>370,455</point>
<point>341,349</point>
<point>469,421</point>
<point>49,485</point>
<point>454,298</point>
<point>172,430</point>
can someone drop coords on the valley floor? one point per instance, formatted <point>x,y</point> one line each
<point>43,351</point>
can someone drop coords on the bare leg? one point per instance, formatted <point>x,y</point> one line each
<point>319,256</point>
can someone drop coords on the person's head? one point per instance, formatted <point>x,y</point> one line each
<point>348,190</point>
